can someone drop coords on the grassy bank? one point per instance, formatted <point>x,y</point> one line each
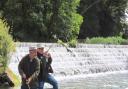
<point>13,77</point>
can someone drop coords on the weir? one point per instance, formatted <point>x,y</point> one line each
<point>85,59</point>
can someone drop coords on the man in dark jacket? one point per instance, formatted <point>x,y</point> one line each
<point>29,68</point>
<point>45,68</point>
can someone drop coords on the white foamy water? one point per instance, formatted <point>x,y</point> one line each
<point>85,59</point>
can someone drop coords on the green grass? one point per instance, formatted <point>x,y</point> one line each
<point>107,40</point>
<point>13,77</point>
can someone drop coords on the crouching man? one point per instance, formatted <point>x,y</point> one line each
<point>29,68</point>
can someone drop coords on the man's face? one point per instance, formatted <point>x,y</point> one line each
<point>40,50</point>
<point>33,53</point>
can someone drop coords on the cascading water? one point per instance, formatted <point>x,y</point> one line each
<point>83,60</point>
<point>89,59</point>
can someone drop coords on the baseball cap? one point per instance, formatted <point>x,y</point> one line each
<point>40,46</point>
<point>32,48</point>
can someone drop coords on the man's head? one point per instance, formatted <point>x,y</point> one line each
<point>40,48</point>
<point>32,52</point>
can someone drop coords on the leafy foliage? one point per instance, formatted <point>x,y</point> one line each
<point>65,21</point>
<point>108,40</point>
<point>25,18</point>
<point>49,20</point>
<point>42,20</point>
<point>102,17</point>
<point>73,43</point>
<point>6,44</point>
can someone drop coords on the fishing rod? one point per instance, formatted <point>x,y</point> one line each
<point>63,44</point>
<point>49,48</point>
<point>60,42</point>
<point>68,50</point>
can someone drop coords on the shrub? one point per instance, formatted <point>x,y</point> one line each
<point>6,45</point>
<point>124,42</point>
<point>108,40</point>
<point>72,43</point>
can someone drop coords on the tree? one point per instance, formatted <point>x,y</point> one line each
<point>65,21</point>
<point>42,20</point>
<point>103,18</point>
<point>25,19</point>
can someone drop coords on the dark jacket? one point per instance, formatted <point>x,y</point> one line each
<point>30,69</point>
<point>45,67</point>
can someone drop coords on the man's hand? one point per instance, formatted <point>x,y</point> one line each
<point>47,55</point>
<point>28,80</point>
<point>24,76</point>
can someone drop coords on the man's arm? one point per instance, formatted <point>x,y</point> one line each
<point>49,59</point>
<point>50,70</point>
<point>21,72</point>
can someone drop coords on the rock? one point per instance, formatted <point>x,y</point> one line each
<point>5,79</point>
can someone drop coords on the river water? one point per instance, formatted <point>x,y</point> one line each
<point>89,66</point>
<point>109,81</point>
<point>117,80</point>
